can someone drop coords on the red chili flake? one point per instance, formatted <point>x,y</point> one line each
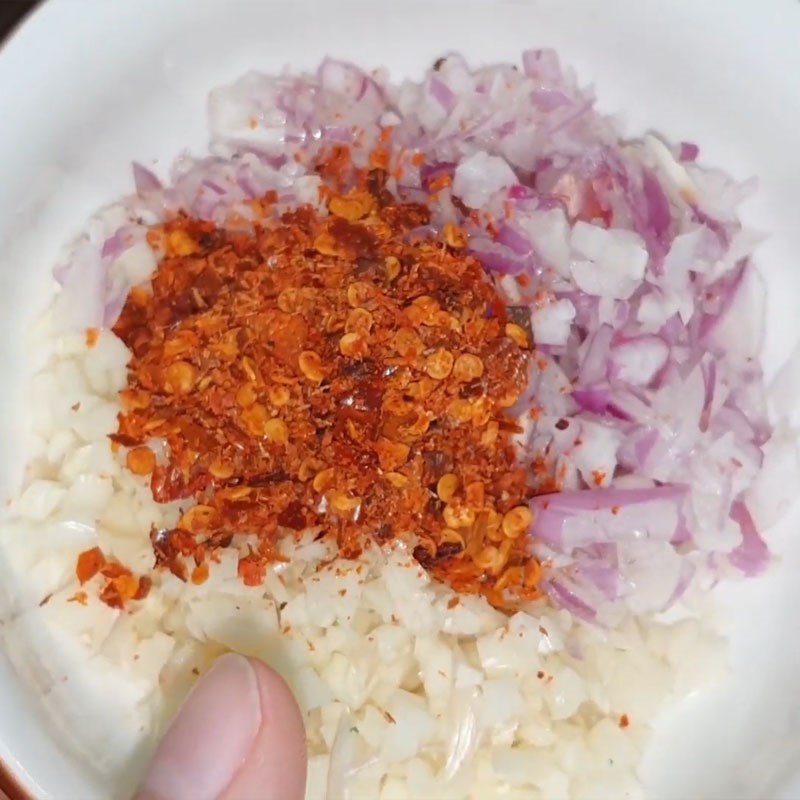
<point>200,574</point>
<point>624,721</point>
<point>439,183</point>
<point>145,584</point>
<point>89,564</point>
<point>302,373</point>
<point>251,570</point>
<point>92,335</point>
<point>113,569</point>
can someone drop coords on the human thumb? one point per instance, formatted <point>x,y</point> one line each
<point>238,736</point>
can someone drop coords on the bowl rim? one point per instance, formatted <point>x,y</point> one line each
<point>11,785</point>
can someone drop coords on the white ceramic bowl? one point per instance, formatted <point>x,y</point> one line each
<point>87,86</point>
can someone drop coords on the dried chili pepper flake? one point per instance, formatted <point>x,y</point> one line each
<point>252,570</point>
<point>356,347</point>
<point>145,584</point>
<point>92,337</point>
<point>89,564</point>
<point>113,569</point>
<point>127,586</point>
<point>111,597</point>
<point>598,476</point>
<point>200,574</point>
<point>624,721</point>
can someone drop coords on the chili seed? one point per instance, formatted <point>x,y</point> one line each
<point>517,335</point>
<point>221,470</point>
<point>517,521</point>
<point>391,267</point>
<point>467,368</point>
<point>447,486</point>
<point>289,300</point>
<point>353,345</point>
<point>358,294</point>
<point>351,207</point>
<point>255,419</point>
<point>246,395</point>
<point>458,516</point>
<point>276,431</point>
<point>180,243</point>
<point>279,396</point>
<point>359,321</point>
<point>439,364</point>
<point>343,502</point>
<point>397,479</point>
<point>311,366</point>
<point>391,455</point>
<point>179,377</point>
<point>407,343</point>
<point>324,479</point>
<point>141,460</point>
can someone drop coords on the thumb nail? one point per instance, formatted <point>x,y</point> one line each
<point>208,742</point>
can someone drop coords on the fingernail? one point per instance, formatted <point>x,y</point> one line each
<point>209,740</point>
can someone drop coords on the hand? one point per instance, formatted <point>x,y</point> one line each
<point>238,736</point>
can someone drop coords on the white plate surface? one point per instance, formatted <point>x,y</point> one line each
<point>87,85</point>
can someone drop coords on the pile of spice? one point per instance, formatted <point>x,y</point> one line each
<point>338,372</point>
